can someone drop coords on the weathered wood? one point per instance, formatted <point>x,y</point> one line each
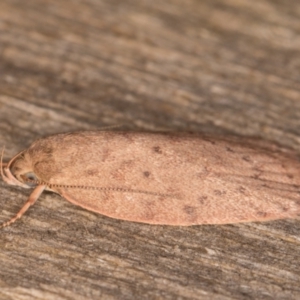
<point>212,66</point>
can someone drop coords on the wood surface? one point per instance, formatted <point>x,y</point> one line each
<point>219,66</point>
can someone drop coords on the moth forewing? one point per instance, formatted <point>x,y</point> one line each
<point>155,178</point>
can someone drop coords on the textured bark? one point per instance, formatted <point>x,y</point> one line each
<point>203,66</point>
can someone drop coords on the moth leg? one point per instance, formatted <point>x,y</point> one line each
<point>31,200</point>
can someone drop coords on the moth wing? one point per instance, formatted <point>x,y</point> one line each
<point>187,180</point>
<point>130,206</point>
<point>168,210</point>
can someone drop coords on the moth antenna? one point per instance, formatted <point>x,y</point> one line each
<point>31,200</point>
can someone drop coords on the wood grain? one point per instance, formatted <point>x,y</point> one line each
<point>221,66</point>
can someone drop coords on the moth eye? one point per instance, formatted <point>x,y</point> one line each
<point>29,178</point>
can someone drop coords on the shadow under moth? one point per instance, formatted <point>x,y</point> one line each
<point>156,178</point>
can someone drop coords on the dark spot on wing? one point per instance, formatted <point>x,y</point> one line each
<point>92,172</point>
<point>242,190</point>
<point>189,209</point>
<point>157,149</point>
<point>219,192</point>
<point>202,199</point>
<point>229,149</point>
<point>146,173</point>
<point>257,174</point>
<point>246,158</point>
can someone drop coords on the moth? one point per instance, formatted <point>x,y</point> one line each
<point>157,178</point>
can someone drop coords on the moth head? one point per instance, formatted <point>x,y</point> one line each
<point>22,169</point>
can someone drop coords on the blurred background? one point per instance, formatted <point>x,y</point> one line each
<point>215,66</point>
